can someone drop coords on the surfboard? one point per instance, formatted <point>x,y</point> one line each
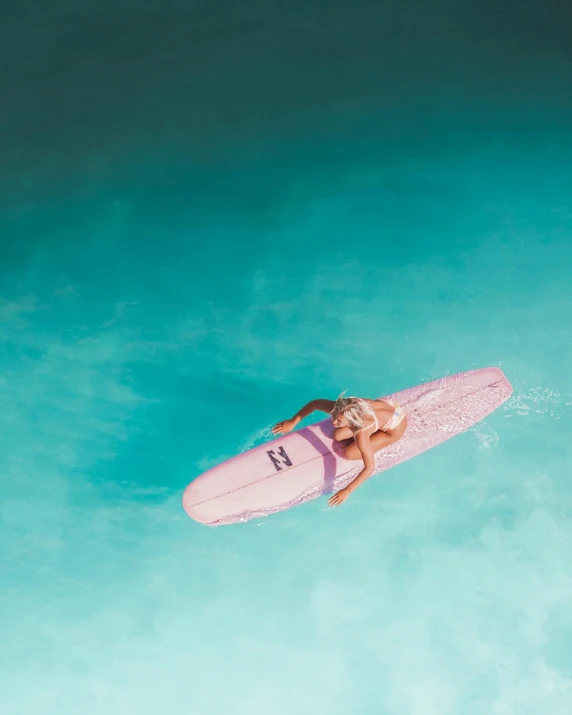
<point>302,465</point>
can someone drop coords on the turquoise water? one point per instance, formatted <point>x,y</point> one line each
<point>209,218</point>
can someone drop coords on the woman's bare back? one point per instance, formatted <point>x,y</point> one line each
<point>383,410</point>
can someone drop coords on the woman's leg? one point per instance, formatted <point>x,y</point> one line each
<point>379,440</point>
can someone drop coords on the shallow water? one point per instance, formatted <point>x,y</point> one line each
<point>209,218</point>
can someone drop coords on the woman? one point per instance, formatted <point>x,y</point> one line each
<point>358,420</point>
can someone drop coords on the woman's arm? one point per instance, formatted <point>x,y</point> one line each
<point>363,443</point>
<point>288,425</point>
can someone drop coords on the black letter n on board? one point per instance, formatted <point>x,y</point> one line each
<point>276,462</point>
<point>285,457</point>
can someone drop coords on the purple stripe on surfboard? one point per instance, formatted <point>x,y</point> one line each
<point>305,464</point>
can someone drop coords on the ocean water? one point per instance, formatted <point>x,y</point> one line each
<point>210,215</point>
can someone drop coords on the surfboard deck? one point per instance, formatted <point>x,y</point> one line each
<point>302,465</point>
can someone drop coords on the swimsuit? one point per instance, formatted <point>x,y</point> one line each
<point>396,419</point>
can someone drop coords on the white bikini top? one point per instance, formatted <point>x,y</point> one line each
<point>376,423</point>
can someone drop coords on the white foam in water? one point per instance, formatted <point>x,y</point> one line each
<point>258,437</point>
<point>538,400</point>
<point>485,435</point>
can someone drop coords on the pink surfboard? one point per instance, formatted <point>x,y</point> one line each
<point>307,463</point>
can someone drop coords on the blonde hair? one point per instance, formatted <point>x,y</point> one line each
<point>354,409</point>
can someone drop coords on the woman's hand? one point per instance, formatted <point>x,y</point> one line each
<point>339,498</point>
<point>285,426</point>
